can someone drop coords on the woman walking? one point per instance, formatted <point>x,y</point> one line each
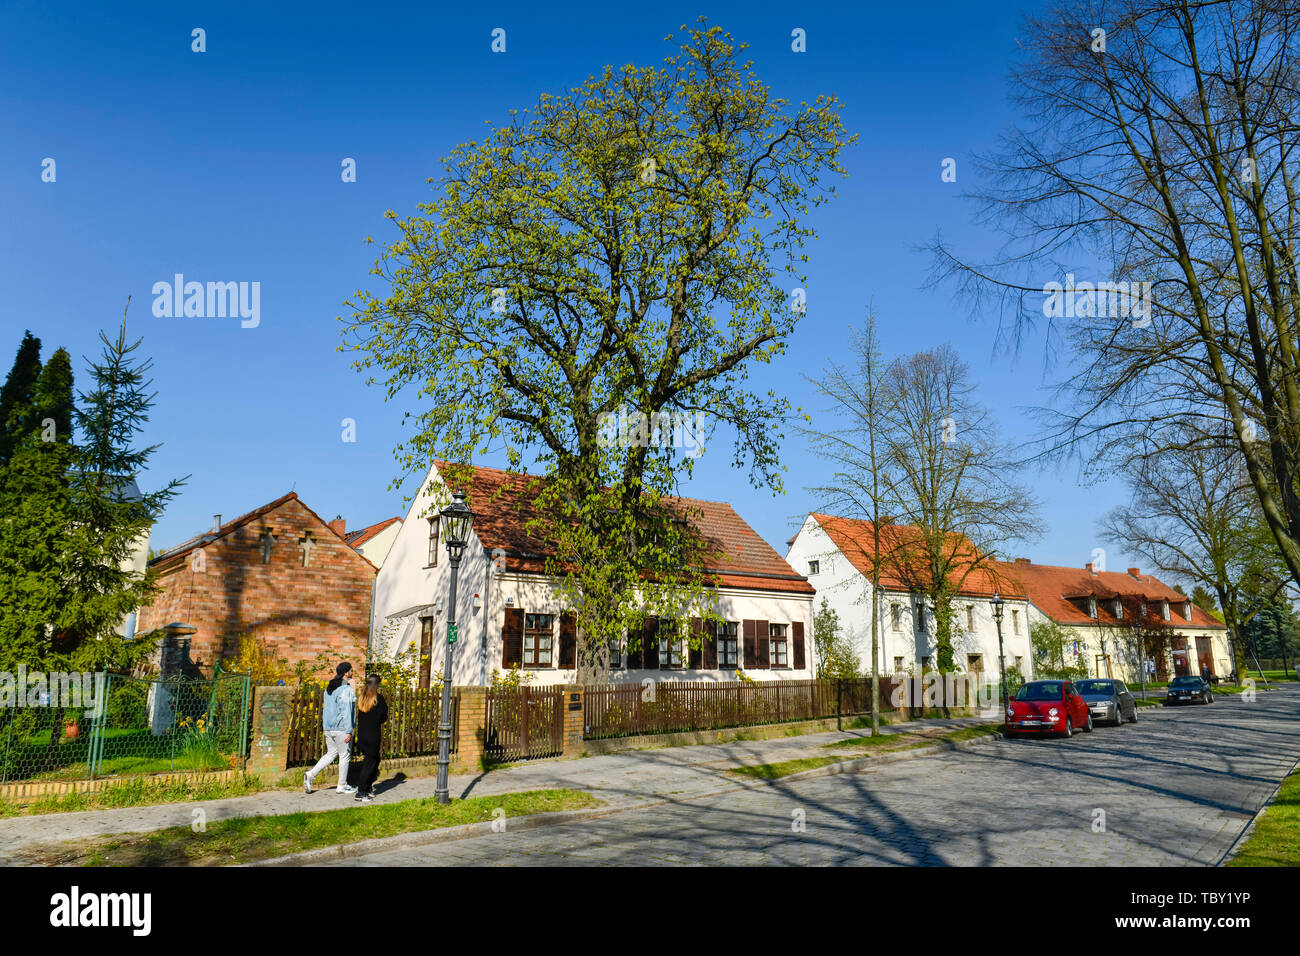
<point>336,717</point>
<point>372,712</point>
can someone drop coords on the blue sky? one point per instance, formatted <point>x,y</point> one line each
<point>224,166</point>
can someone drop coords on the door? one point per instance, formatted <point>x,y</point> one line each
<point>1204,655</point>
<point>426,650</point>
<point>1182,666</point>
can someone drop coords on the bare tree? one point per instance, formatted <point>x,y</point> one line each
<point>948,485</point>
<point>1159,147</point>
<point>1194,514</point>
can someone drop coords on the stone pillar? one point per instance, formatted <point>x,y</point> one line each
<point>269,754</point>
<point>471,731</point>
<point>573,722</point>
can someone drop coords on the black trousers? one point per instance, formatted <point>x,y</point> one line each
<point>369,766</point>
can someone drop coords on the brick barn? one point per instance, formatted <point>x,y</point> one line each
<point>279,573</point>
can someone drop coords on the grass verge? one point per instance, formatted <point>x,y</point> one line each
<point>1276,838</point>
<point>259,838</point>
<point>140,792</point>
<point>888,743</point>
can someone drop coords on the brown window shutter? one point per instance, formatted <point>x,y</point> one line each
<point>568,640</point>
<point>751,649</point>
<point>512,638</point>
<point>650,641</point>
<point>796,630</point>
<point>763,641</point>
<point>709,644</point>
<point>634,655</point>
<point>696,653</point>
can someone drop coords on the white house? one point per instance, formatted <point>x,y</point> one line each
<point>509,612</point>
<point>376,540</point>
<point>1098,608</point>
<point>837,555</point>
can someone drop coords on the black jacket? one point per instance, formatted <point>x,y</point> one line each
<point>370,722</point>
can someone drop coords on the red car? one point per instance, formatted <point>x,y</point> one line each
<point>1047,707</point>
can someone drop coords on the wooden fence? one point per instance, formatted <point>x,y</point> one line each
<point>411,730</point>
<point>622,710</point>
<point>523,723</point>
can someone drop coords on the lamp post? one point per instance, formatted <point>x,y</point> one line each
<point>1142,656</point>
<point>457,519</point>
<point>999,606</point>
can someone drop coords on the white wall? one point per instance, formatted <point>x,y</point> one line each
<point>377,548</point>
<point>848,592</point>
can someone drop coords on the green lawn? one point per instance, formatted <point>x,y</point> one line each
<point>1276,839</point>
<point>126,751</point>
<point>258,838</point>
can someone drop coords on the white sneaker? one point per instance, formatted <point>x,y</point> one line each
<point>347,789</point>
<point>306,783</point>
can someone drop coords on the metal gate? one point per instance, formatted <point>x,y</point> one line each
<point>524,723</point>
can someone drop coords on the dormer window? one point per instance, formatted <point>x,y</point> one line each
<point>814,567</point>
<point>1092,606</point>
<point>1187,610</point>
<point>1119,609</point>
<point>1164,610</point>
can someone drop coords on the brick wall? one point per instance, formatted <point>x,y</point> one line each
<point>299,611</point>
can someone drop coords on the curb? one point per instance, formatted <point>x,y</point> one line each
<point>534,821</point>
<point>1249,828</point>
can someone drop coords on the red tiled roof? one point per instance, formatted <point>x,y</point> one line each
<point>1050,588</point>
<point>504,502</point>
<point>362,535</point>
<point>856,541</point>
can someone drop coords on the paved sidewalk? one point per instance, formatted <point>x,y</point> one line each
<point>621,779</point>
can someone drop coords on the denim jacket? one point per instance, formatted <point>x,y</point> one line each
<point>337,711</point>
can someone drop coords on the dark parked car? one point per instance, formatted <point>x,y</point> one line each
<point>1047,707</point>
<point>1108,700</point>
<point>1188,690</point>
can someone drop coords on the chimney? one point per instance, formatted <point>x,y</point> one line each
<point>1089,567</point>
<point>338,525</point>
<point>1023,561</point>
<point>1135,572</point>
<point>216,523</point>
<point>886,519</point>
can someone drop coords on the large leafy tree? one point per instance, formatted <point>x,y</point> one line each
<point>632,247</point>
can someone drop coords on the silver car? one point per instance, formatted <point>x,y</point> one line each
<point>1108,700</point>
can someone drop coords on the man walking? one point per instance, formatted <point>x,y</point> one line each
<point>336,718</point>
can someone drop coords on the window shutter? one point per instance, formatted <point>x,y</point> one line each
<point>568,640</point>
<point>751,651</point>
<point>709,644</point>
<point>696,653</point>
<point>512,638</point>
<point>796,630</point>
<point>763,642</point>
<point>635,657</point>
<point>650,640</point>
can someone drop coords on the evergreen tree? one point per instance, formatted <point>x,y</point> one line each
<point>17,393</point>
<point>52,401</point>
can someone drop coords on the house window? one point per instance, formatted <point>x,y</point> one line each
<point>1015,621</point>
<point>920,617</point>
<point>426,651</point>
<point>814,567</point>
<point>1092,606</point>
<point>777,633</point>
<point>670,648</point>
<point>1164,610</point>
<point>1187,610</point>
<point>898,665</point>
<point>1119,609</point>
<point>975,663</point>
<point>433,543</point>
<point>728,648</point>
<point>970,617</point>
<point>1019,662</point>
<point>539,633</point>
<point>925,662</point>
<point>615,654</point>
<point>896,616</point>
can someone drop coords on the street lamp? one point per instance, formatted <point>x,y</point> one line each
<point>1142,654</point>
<point>457,519</point>
<point>999,607</point>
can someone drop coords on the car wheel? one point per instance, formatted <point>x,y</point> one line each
<point>1134,718</point>
<point>1087,726</point>
<point>1069,727</point>
<point>1209,697</point>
